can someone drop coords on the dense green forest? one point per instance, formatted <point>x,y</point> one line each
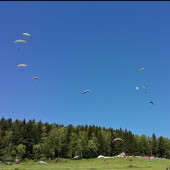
<point>38,140</point>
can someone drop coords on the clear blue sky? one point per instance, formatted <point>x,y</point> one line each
<point>87,45</point>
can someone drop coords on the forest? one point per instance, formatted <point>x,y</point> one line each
<point>37,140</point>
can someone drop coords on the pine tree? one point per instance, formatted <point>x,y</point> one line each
<point>154,145</point>
<point>161,147</point>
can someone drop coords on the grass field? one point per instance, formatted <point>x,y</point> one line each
<point>93,164</point>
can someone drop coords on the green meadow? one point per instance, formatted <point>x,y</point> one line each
<point>93,164</point>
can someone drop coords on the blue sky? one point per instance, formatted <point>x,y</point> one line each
<point>87,45</point>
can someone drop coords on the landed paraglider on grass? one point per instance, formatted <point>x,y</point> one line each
<point>94,163</point>
<point>76,157</point>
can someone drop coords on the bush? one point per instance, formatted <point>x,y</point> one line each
<point>16,169</point>
<point>8,158</point>
<point>43,158</point>
<point>26,160</point>
<point>60,160</point>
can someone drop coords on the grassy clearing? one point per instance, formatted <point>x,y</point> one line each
<point>93,164</point>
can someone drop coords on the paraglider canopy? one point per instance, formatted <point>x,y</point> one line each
<point>87,91</point>
<point>144,87</point>
<point>137,88</point>
<point>20,41</point>
<point>22,65</point>
<point>36,78</point>
<point>117,139</point>
<point>151,102</point>
<point>26,34</point>
<point>141,69</point>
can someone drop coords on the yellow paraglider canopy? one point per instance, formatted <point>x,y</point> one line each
<point>22,65</point>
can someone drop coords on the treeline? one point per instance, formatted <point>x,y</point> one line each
<point>37,140</point>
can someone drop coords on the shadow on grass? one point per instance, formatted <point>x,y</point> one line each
<point>132,166</point>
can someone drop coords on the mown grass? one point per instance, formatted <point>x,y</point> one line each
<point>93,164</point>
